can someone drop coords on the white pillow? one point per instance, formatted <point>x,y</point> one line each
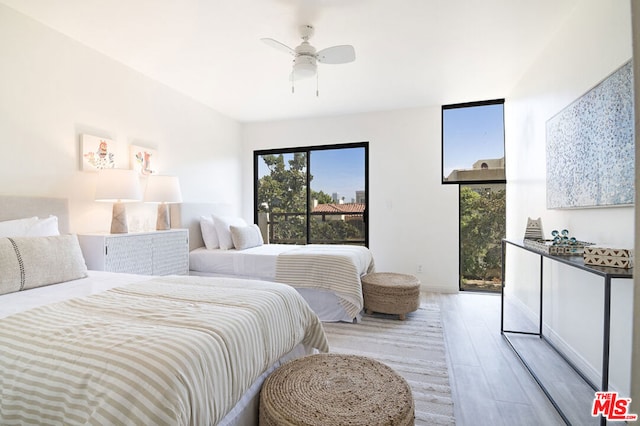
<point>209,234</point>
<point>17,227</point>
<point>47,227</point>
<point>222,225</point>
<point>245,237</point>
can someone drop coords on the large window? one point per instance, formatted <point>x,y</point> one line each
<point>473,142</point>
<point>313,195</point>
<point>473,158</point>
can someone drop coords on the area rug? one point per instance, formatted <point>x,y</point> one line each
<point>414,348</point>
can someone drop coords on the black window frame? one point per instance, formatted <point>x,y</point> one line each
<point>442,152</point>
<point>307,150</point>
<point>475,182</point>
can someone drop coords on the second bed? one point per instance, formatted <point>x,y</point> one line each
<point>327,276</point>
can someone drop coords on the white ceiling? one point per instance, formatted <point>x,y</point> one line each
<point>409,53</point>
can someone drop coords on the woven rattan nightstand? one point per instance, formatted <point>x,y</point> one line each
<point>145,253</point>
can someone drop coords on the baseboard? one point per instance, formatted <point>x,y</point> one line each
<point>578,360</point>
<point>530,315</point>
<point>587,369</point>
<point>438,289</point>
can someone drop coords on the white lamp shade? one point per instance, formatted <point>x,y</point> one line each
<point>163,189</point>
<point>118,185</point>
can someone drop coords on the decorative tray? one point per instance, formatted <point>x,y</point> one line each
<point>559,249</point>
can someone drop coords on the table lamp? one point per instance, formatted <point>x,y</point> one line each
<point>163,190</point>
<point>118,186</point>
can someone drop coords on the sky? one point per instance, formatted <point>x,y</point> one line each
<point>471,134</point>
<point>338,170</point>
<point>334,170</point>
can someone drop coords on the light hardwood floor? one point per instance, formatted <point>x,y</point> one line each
<point>489,384</point>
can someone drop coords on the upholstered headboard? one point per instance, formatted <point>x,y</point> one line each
<point>187,215</point>
<point>17,207</point>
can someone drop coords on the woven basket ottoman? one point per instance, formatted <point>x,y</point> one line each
<point>391,293</point>
<point>335,390</point>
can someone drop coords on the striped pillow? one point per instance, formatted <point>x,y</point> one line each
<point>29,262</point>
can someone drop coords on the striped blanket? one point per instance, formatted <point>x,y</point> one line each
<point>168,351</point>
<point>329,267</point>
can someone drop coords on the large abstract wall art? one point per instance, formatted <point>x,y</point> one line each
<point>590,147</point>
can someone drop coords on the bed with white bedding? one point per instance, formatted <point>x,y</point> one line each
<point>162,351</point>
<point>105,348</point>
<point>327,276</point>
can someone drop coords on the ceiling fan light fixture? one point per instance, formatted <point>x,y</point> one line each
<point>304,67</point>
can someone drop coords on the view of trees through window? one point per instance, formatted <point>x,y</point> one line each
<point>314,195</point>
<point>482,227</point>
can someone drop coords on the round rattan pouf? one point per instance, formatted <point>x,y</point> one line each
<point>335,390</point>
<point>391,293</point>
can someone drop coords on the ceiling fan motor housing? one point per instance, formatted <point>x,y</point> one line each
<point>304,64</point>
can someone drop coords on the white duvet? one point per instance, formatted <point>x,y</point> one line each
<point>328,276</point>
<point>257,262</point>
<point>159,350</point>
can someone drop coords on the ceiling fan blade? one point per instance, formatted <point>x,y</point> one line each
<point>280,46</point>
<point>337,54</point>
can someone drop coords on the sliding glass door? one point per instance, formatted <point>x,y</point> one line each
<point>281,196</point>
<point>338,200</point>
<point>312,195</point>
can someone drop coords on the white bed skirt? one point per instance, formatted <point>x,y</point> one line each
<point>245,412</point>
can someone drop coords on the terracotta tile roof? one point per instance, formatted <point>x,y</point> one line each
<point>349,208</point>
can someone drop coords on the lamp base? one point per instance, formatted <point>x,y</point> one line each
<point>163,223</point>
<point>119,219</point>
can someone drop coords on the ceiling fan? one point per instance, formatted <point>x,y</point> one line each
<point>306,58</point>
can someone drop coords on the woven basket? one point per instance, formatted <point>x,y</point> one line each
<point>334,390</point>
<point>391,293</point>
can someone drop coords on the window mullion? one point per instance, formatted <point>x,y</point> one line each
<point>308,185</point>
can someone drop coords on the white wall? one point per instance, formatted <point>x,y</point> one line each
<point>594,42</point>
<point>635,366</point>
<point>413,218</point>
<point>52,89</point>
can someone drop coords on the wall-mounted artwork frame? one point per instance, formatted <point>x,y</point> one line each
<point>590,147</point>
<point>97,153</point>
<point>143,159</point>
